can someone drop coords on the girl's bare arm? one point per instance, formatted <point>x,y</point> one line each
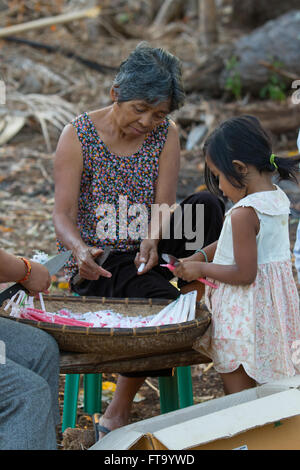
<point>245,226</point>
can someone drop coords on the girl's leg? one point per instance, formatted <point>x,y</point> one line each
<point>237,381</point>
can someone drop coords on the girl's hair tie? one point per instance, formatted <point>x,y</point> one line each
<point>272,158</point>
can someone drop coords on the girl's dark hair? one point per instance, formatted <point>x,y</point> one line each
<point>243,138</point>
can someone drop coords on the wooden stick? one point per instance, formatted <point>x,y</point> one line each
<point>152,386</point>
<point>208,367</point>
<point>277,70</point>
<point>41,23</point>
<point>167,11</point>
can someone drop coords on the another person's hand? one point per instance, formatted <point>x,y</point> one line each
<point>39,279</point>
<point>189,270</point>
<point>87,267</point>
<point>147,257</point>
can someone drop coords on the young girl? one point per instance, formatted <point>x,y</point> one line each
<point>297,243</point>
<point>255,308</point>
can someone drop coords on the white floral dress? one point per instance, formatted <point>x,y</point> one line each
<point>256,325</point>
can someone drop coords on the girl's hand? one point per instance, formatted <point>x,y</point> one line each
<point>194,257</point>
<point>39,279</point>
<point>189,270</point>
<point>87,267</point>
<point>147,257</point>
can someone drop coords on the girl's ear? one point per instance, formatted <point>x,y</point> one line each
<point>240,167</point>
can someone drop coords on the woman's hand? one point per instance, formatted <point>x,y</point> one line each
<point>39,279</point>
<point>87,267</point>
<point>147,257</point>
<point>190,270</point>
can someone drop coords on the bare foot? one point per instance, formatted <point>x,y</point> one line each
<point>109,424</point>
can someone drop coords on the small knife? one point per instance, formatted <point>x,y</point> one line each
<point>53,265</point>
<point>172,262</point>
<point>100,260</point>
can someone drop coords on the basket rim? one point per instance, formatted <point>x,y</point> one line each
<point>139,331</point>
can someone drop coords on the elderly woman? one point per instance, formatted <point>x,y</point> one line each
<point>126,153</point>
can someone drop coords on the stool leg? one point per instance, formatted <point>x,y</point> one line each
<point>92,393</point>
<point>169,400</point>
<point>185,386</point>
<point>70,401</point>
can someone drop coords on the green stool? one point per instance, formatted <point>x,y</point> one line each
<point>92,397</point>
<point>175,392</point>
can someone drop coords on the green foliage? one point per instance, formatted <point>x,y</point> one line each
<point>123,18</point>
<point>275,89</point>
<point>233,81</point>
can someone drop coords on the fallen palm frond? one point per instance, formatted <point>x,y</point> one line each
<point>44,108</point>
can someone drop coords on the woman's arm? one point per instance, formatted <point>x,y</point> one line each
<point>68,169</point>
<point>13,269</point>
<point>165,193</point>
<point>245,226</point>
<point>166,186</point>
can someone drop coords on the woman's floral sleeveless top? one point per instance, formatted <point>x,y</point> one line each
<point>116,192</point>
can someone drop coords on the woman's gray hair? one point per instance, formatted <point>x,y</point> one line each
<point>150,74</point>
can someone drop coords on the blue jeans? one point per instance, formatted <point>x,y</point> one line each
<point>29,377</point>
<point>297,251</point>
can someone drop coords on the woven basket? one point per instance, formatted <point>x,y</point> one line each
<point>120,343</point>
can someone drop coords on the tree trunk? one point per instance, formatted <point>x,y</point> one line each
<point>208,21</point>
<point>254,13</point>
<point>191,9</point>
<point>169,10</point>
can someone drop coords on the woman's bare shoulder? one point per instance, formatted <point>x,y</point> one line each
<point>99,117</point>
<point>172,125</point>
<point>173,131</point>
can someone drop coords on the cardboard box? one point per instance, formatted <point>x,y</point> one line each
<point>265,417</point>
